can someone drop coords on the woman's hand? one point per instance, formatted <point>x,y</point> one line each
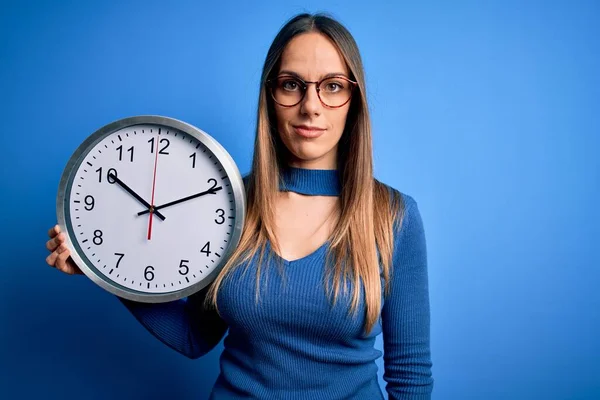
<point>59,254</point>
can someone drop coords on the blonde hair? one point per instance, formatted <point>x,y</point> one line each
<point>368,207</point>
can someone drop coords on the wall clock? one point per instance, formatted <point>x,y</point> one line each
<point>152,207</point>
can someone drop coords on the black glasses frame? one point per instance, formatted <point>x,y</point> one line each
<point>269,84</point>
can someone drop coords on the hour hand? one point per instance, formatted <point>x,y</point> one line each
<point>209,191</point>
<point>137,196</point>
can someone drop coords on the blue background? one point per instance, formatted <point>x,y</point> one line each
<point>487,114</point>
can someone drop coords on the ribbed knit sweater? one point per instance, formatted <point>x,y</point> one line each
<point>294,344</point>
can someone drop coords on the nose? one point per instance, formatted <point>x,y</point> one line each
<point>311,104</point>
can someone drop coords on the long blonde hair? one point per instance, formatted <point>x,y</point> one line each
<point>368,207</point>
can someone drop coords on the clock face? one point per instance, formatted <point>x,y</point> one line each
<point>152,209</point>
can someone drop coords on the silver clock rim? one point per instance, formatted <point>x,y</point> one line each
<point>64,187</point>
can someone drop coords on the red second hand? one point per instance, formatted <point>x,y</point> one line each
<point>153,186</point>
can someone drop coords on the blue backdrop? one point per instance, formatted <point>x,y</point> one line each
<point>487,114</point>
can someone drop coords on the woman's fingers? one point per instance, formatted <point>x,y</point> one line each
<point>59,256</point>
<point>53,231</point>
<point>51,259</point>
<point>53,256</point>
<point>56,238</point>
<point>64,263</point>
<point>53,243</point>
<point>61,259</point>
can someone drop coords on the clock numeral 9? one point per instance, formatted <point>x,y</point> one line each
<point>161,151</point>
<point>206,249</point>
<point>109,175</point>
<point>97,237</point>
<point>120,149</point>
<point>184,267</point>
<point>89,201</point>
<point>148,273</point>
<point>221,216</point>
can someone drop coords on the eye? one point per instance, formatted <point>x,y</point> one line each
<point>289,85</point>
<point>333,86</point>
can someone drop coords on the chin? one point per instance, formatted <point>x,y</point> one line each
<point>309,153</point>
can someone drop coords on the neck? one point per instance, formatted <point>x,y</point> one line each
<point>312,182</point>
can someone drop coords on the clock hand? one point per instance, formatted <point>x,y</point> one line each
<point>209,191</point>
<point>134,194</point>
<point>151,209</point>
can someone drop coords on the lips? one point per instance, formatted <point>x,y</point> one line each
<point>308,131</point>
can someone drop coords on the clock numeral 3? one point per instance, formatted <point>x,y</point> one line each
<point>184,267</point>
<point>221,216</point>
<point>97,237</point>
<point>149,273</point>
<point>207,247</point>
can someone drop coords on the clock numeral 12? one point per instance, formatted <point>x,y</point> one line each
<point>161,151</point>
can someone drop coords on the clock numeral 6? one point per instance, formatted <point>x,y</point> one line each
<point>148,273</point>
<point>97,237</point>
<point>206,249</point>
<point>221,216</point>
<point>184,267</point>
<point>109,174</point>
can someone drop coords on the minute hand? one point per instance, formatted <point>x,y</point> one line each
<point>209,191</point>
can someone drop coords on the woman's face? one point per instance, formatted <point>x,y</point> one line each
<point>310,130</point>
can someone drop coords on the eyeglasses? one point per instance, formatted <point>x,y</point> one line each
<point>333,92</point>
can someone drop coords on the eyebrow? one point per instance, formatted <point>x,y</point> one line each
<point>329,75</point>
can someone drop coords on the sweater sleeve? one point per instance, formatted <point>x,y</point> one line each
<point>406,315</point>
<point>184,325</point>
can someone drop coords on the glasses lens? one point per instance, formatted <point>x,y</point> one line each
<point>287,91</point>
<point>335,91</point>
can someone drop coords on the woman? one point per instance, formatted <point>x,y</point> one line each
<point>329,256</point>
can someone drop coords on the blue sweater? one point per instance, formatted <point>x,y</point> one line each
<point>293,345</point>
